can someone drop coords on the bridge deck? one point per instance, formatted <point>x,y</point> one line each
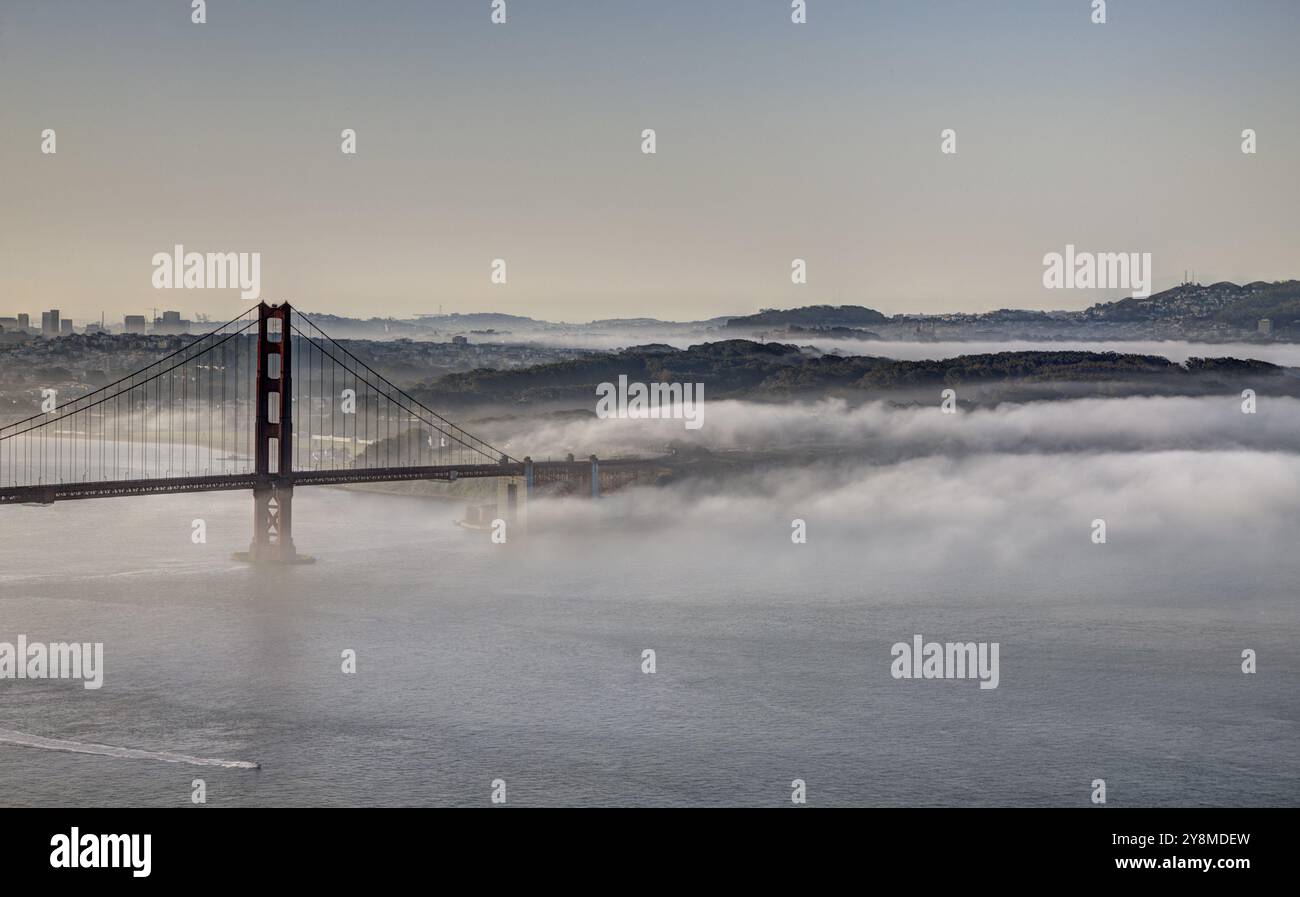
<point>46,494</point>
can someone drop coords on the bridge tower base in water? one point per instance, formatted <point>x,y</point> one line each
<point>273,495</point>
<point>512,505</point>
<point>273,527</point>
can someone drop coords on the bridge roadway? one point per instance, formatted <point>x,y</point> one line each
<point>544,470</point>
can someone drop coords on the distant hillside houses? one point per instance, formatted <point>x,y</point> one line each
<point>1240,306</point>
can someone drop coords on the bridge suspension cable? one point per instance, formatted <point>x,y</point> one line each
<point>190,420</point>
<point>396,413</point>
<point>146,425</point>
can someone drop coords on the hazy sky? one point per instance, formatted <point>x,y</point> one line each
<point>523,141</point>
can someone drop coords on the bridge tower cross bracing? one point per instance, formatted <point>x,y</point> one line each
<point>273,439</point>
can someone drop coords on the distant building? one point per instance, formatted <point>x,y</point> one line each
<point>65,327</point>
<point>133,324</point>
<point>460,341</point>
<point>50,322</point>
<point>8,325</point>
<point>24,321</point>
<point>171,322</point>
<point>95,327</point>
<point>1265,327</point>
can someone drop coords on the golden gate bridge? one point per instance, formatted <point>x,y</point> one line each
<point>266,402</point>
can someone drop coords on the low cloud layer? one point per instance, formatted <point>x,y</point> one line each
<point>993,526</point>
<point>1190,489</point>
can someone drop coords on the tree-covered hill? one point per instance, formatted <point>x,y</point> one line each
<point>816,316</point>
<point>745,369</point>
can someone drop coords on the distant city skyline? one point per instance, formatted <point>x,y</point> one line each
<point>52,321</point>
<point>523,142</point>
<point>171,321</point>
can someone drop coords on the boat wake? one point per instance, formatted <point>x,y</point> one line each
<point>8,736</point>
